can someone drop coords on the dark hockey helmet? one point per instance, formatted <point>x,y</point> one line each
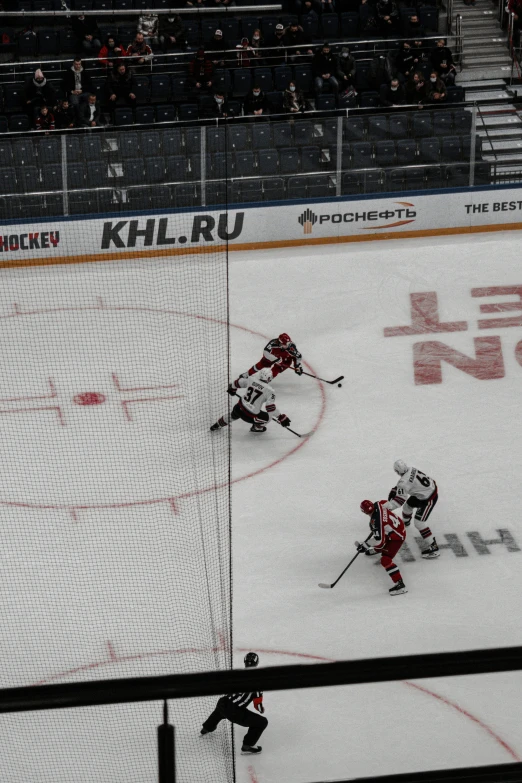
<point>251,659</point>
<point>284,339</point>
<point>367,507</point>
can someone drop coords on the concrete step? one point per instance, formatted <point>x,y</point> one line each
<point>486,95</point>
<point>483,24</point>
<point>469,84</point>
<point>499,133</point>
<point>497,122</point>
<point>503,157</point>
<point>485,45</point>
<point>471,14</point>
<point>499,59</point>
<point>511,146</point>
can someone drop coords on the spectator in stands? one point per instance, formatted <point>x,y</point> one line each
<point>416,89</point>
<point>64,115</point>
<point>387,17</point>
<point>139,53</point>
<point>404,62</point>
<point>148,26</point>
<point>121,85</point>
<point>293,99</point>
<point>257,45</point>
<point>436,89</point>
<point>515,7</point>
<point>368,22</point>
<point>309,12</point>
<point>418,51</point>
<point>414,29</point>
<point>294,37</point>
<point>245,54</point>
<point>201,71</point>
<point>111,53</point>
<point>218,45</point>
<point>256,101</point>
<point>45,120</point>
<point>378,72</point>
<point>86,31</point>
<point>89,114</point>
<point>173,34</point>
<point>442,61</point>
<point>393,94</point>
<point>344,68</point>
<point>220,107</point>
<point>276,54</point>
<point>38,92</point>
<point>324,68</point>
<point>328,6</point>
<point>77,83</point>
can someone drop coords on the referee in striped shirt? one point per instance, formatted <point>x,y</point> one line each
<point>233,707</point>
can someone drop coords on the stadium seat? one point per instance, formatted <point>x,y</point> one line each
<point>19,122</point>
<point>362,76</point>
<point>250,191</point>
<point>27,44</point>
<point>133,171</point>
<point>378,127</point>
<point>97,174</point>
<point>160,88</point>
<point>325,102</point>
<point>13,97</point>
<point>51,176</point>
<point>208,26</point>
<point>303,132</point>
<point>320,186</point>
<point>310,159</point>
<point>275,102</point>
<point>310,25</point>
<point>385,153</point>
<point>262,135</point>
<point>145,115</point>
<point>241,82</point>
<point>92,147</point>
<point>165,113</point>
<point>216,193</point>
<point>123,116</point>
<point>4,126</point>
<point>238,138</point>
<point>297,188</point>
<point>247,26</point>
<point>329,26</point>
<point>422,124</point>
<point>289,160</point>
<point>128,144</point>
<point>274,189</point>
<point>220,165</point>
<point>415,178</point>
<point>268,26</point>
<point>406,152</point>
<point>76,175</point>
<point>73,148</point>
<point>451,149</point>
<point>268,162</point>
<point>435,177</point>
<point>303,77</point>
<point>362,155</point>
<point>49,150</point>
<point>186,195</point>
<point>369,98</point>
<point>192,141</point>
<point>28,178</point>
<point>349,25</point>
<point>282,77</point>
<point>150,143</point>
<point>398,126</point>
<point>154,170</point>
<point>429,19</point>
<point>457,175</point>
<point>462,121</point>
<point>354,128</point>
<point>175,166</point>
<point>456,94</point>
<point>229,26</point>
<point>48,42</point>
<point>23,152</point>
<point>263,78</point>
<point>215,138</point>
<point>282,134</point>
<point>244,163</point>
<point>172,144</point>
<point>429,150</point>
<point>192,33</point>
<point>188,111</point>
<point>142,89</point>
<point>442,123</point>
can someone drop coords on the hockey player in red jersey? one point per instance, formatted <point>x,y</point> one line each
<point>389,533</point>
<point>279,354</point>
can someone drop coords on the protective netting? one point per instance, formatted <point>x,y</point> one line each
<point>114,504</point>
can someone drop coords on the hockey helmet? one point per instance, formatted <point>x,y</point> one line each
<point>367,507</point>
<point>266,375</point>
<point>251,660</point>
<point>284,339</point>
<point>400,467</point>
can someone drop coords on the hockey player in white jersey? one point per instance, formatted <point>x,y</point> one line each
<point>416,493</point>
<point>256,407</point>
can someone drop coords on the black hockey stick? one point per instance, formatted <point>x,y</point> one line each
<point>336,380</point>
<point>299,435</point>
<point>354,558</point>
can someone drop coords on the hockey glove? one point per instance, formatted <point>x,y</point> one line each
<point>283,420</point>
<point>258,705</point>
<point>232,390</point>
<point>392,494</point>
<point>298,369</point>
<point>363,548</point>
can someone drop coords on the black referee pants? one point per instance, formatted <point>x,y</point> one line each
<point>225,709</point>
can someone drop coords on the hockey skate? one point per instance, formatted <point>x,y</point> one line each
<point>204,731</point>
<point>248,750</point>
<point>214,427</point>
<point>257,428</point>
<point>431,552</point>
<point>398,589</point>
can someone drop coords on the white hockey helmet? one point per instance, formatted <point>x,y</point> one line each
<point>266,375</point>
<point>400,467</point>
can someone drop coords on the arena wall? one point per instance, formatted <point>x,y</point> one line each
<point>265,225</point>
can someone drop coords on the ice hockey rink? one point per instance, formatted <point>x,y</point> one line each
<point>444,395</point>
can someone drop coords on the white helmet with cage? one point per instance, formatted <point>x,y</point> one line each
<point>400,467</point>
<point>265,375</point>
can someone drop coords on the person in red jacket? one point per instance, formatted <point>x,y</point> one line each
<point>45,120</point>
<point>279,354</point>
<point>201,71</point>
<point>389,533</point>
<point>111,53</point>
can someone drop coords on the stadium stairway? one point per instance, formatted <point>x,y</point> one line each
<point>485,48</point>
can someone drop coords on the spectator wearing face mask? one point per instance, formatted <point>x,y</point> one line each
<point>111,53</point>
<point>436,89</point>
<point>256,101</point>
<point>393,94</point>
<point>64,115</point>
<point>173,34</point>
<point>293,99</point>
<point>257,44</point>
<point>404,62</point>
<point>442,62</point>
<point>86,31</point>
<point>38,92</point>
<point>416,89</point>
<point>45,120</point>
<point>201,71</point>
<point>344,68</point>
<point>219,108</point>
<point>324,68</point>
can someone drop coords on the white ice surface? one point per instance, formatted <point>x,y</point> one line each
<point>295,515</point>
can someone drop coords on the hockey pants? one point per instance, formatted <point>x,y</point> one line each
<point>276,367</point>
<point>422,509</point>
<point>240,715</point>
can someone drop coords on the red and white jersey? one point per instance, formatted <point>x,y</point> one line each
<point>386,526</point>
<point>415,483</point>
<point>258,395</point>
<point>274,352</point>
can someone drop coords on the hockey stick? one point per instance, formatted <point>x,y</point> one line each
<point>336,380</point>
<point>322,584</point>
<point>299,435</point>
